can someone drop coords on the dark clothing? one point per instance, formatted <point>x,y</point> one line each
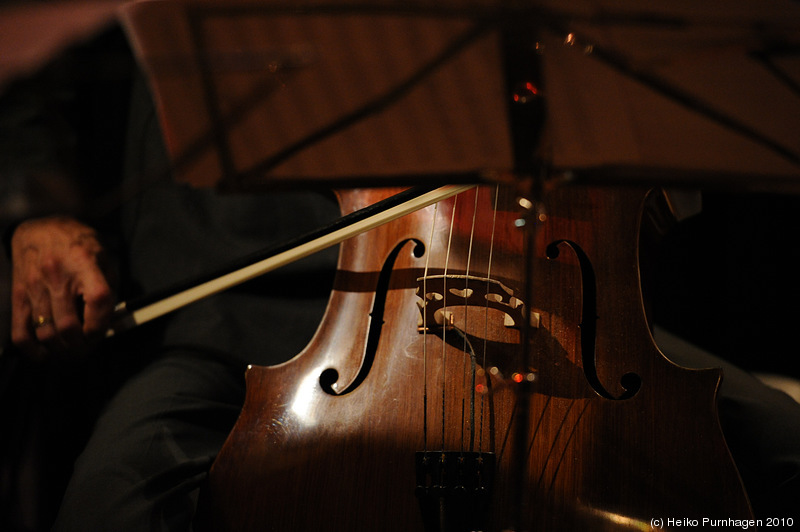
<point>153,445</point>
<point>174,233</point>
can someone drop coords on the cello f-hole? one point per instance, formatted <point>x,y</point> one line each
<point>630,382</point>
<point>329,377</point>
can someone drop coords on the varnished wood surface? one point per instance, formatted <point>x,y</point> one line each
<point>598,456</point>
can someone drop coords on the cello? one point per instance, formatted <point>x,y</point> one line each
<point>480,369</point>
<point>484,363</point>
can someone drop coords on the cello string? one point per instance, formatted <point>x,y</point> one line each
<point>487,376</point>
<point>445,317</point>
<point>425,331</point>
<point>469,383</point>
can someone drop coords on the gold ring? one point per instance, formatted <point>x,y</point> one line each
<point>41,321</point>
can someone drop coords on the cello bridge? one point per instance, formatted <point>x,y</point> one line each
<point>440,293</point>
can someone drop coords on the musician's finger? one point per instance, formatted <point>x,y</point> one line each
<point>65,318</point>
<point>98,299</point>
<point>22,332</point>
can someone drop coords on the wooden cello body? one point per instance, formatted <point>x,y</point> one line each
<point>415,406</point>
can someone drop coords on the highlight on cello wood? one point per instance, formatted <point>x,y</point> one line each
<point>479,369</point>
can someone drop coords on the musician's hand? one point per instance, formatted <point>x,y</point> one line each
<point>60,296</point>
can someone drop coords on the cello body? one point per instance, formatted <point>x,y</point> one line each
<point>424,402</point>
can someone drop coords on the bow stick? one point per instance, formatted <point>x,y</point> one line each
<point>128,315</point>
